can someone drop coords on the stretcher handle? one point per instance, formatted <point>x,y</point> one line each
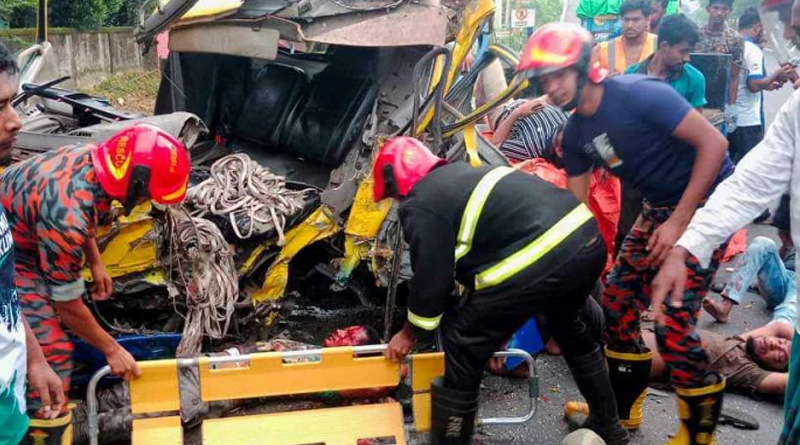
<point>533,391</point>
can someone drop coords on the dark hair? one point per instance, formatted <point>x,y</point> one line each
<point>663,3</point>
<point>749,18</point>
<point>678,28</point>
<point>750,348</point>
<point>635,5</point>
<point>8,63</point>
<point>728,3</point>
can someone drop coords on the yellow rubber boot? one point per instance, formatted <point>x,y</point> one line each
<point>629,374</point>
<point>699,410</point>
<point>49,432</point>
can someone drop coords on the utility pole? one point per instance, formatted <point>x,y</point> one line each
<point>41,22</point>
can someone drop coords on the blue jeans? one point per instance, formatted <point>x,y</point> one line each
<point>776,284</point>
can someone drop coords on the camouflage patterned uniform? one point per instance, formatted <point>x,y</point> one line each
<point>726,42</point>
<point>53,202</point>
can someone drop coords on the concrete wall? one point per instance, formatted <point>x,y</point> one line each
<point>87,57</point>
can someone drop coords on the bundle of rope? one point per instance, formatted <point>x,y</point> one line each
<point>253,199</point>
<point>203,267</point>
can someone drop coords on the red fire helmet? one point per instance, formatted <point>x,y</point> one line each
<point>143,161</point>
<point>557,46</point>
<point>401,163</point>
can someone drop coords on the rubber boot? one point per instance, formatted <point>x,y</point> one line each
<point>699,410</point>
<point>49,431</point>
<point>452,414</point>
<point>589,372</point>
<point>629,374</point>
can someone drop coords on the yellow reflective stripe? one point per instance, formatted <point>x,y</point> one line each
<point>472,211</point>
<point>535,250</point>
<point>427,323</point>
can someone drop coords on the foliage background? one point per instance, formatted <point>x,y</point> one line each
<point>79,14</point>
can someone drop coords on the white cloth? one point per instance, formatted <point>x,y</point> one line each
<point>759,180</point>
<point>13,352</point>
<point>748,106</point>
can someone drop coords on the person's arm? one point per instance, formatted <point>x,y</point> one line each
<point>504,129</point>
<point>759,180</point>
<point>775,329</point>
<point>711,147</point>
<point>432,245</point>
<point>579,186</point>
<point>102,286</point>
<point>42,378</point>
<point>736,64</point>
<point>698,94</point>
<point>774,383</point>
<point>79,319</point>
<point>577,164</point>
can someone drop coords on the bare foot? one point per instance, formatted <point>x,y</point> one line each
<point>719,310</point>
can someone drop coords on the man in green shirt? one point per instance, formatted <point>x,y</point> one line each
<point>677,36</point>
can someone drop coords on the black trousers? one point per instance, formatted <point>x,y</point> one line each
<point>629,211</point>
<point>478,327</point>
<point>742,140</point>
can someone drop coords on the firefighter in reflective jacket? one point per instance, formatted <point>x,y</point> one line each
<point>519,245</point>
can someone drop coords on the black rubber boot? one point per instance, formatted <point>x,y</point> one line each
<point>452,414</point>
<point>589,372</point>
<point>49,432</point>
<point>699,410</point>
<point>629,374</point>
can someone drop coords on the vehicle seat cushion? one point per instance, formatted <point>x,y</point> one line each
<point>331,113</point>
<point>273,95</point>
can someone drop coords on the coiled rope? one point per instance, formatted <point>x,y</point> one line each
<point>202,264</point>
<point>249,195</point>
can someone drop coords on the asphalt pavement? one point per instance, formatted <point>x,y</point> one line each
<point>503,396</point>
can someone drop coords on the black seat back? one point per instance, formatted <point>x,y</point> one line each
<point>331,112</point>
<point>272,97</point>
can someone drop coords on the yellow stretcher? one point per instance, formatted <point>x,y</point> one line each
<point>156,393</point>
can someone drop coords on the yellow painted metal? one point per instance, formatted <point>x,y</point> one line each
<point>424,368</point>
<point>363,224</point>
<point>208,8</point>
<point>318,226</point>
<point>156,389</point>
<point>159,430</point>
<point>471,144</point>
<point>267,375</point>
<point>331,426</point>
<point>475,14</point>
<point>129,248</point>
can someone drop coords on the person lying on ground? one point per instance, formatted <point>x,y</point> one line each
<point>775,282</point>
<point>753,363</point>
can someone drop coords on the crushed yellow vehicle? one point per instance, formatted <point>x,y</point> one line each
<point>307,91</point>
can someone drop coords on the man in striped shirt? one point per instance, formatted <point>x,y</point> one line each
<point>525,129</point>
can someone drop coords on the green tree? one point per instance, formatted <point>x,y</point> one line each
<point>83,14</point>
<point>126,15</point>
<point>19,13</point>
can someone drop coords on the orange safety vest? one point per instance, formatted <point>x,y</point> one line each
<point>612,57</point>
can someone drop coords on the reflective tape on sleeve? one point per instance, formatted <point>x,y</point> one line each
<point>535,250</point>
<point>426,323</point>
<point>474,207</point>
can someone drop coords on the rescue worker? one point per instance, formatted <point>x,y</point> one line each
<point>651,137</point>
<point>53,202</point>
<point>762,177</point>
<point>21,357</point>
<point>634,45</point>
<point>519,245</point>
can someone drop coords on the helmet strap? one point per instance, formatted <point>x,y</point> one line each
<point>138,187</point>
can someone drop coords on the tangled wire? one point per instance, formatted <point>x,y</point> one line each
<point>202,264</point>
<point>248,194</point>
